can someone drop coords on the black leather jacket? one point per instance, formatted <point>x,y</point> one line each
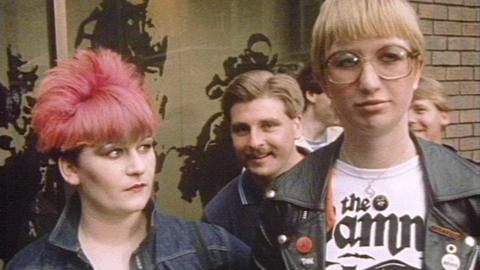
<point>295,207</point>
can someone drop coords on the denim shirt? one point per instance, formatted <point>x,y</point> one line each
<point>172,243</point>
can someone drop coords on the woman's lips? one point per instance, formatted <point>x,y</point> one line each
<point>137,187</point>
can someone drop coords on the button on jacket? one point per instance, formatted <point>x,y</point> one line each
<point>172,243</point>
<point>297,209</point>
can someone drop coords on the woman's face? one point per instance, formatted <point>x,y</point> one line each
<point>113,178</point>
<point>371,104</point>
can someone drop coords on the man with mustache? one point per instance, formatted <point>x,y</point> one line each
<point>264,114</point>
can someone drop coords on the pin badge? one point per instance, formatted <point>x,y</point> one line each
<point>304,244</point>
<point>307,261</point>
<point>380,202</point>
<point>451,248</point>
<point>450,262</point>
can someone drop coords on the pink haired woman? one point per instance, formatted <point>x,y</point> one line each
<point>94,116</point>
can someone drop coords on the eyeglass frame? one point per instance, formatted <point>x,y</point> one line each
<point>413,55</point>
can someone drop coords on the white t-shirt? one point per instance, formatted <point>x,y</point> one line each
<point>387,228</point>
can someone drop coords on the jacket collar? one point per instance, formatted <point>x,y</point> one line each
<point>65,232</point>
<point>305,184</point>
<point>447,175</point>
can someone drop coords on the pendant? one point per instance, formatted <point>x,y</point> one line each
<point>370,191</point>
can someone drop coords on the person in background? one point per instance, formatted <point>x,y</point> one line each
<point>398,201</point>
<point>429,116</point>
<point>320,124</point>
<point>95,117</point>
<point>263,111</point>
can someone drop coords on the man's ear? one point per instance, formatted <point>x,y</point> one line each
<point>323,83</point>
<point>444,119</point>
<point>69,171</point>
<point>297,121</point>
<point>310,96</point>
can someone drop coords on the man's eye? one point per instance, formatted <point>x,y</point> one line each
<point>268,125</point>
<point>240,130</point>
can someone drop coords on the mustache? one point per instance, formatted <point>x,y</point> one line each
<point>256,152</point>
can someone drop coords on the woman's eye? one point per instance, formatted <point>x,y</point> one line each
<point>345,60</point>
<point>392,54</point>
<point>115,153</point>
<point>145,147</point>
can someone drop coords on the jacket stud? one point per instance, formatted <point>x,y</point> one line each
<point>270,194</point>
<point>282,239</point>
<point>470,241</point>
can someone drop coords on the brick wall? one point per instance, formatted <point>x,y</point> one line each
<point>452,33</point>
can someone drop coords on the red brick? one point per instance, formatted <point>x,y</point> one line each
<point>448,28</point>
<point>476,129</point>
<point>432,11</point>
<point>462,14</point>
<point>446,58</point>
<point>459,130</point>
<point>466,154</point>
<point>471,29</point>
<point>428,58</point>
<point>459,73</point>
<point>470,116</point>
<point>436,43</point>
<point>426,26</point>
<point>472,143</point>
<point>473,3</point>
<point>454,117</point>
<point>420,1</point>
<point>471,58</point>
<point>455,2</point>
<point>470,88</point>
<point>461,43</point>
<point>439,73</point>
<point>462,102</point>
<point>452,142</point>
<point>451,88</point>
<point>476,155</point>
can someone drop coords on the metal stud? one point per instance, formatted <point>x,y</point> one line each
<point>470,241</point>
<point>282,239</point>
<point>270,194</point>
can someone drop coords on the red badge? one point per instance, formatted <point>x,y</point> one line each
<point>304,244</point>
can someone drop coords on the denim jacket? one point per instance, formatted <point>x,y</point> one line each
<point>295,207</point>
<point>172,243</point>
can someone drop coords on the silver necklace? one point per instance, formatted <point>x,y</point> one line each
<point>369,189</point>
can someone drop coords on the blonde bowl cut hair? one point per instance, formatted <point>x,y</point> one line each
<point>343,21</point>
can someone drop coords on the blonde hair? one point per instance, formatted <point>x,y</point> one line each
<point>342,21</point>
<point>433,90</point>
<point>257,84</point>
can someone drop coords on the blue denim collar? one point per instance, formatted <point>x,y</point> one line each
<point>65,233</point>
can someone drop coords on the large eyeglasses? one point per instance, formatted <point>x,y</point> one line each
<point>390,63</point>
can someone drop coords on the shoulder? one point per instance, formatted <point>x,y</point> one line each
<point>304,183</point>
<point>37,255</point>
<point>218,206</point>
<point>450,175</point>
<point>178,237</point>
